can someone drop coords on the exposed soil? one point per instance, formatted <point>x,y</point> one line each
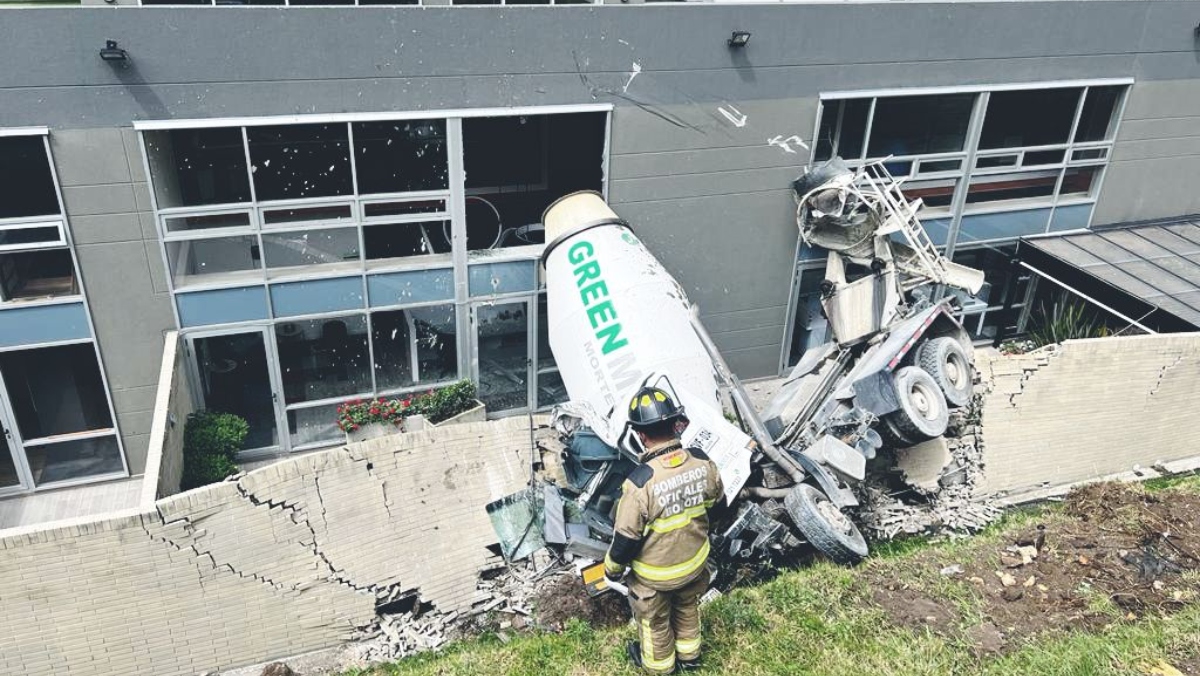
<point>1115,553</point>
<point>563,598</point>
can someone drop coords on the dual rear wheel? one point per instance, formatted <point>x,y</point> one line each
<point>940,378</point>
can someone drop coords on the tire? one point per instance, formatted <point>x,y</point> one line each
<point>810,511</point>
<point>923,413</point>
<point>892,437</point>
<point>945,359</point>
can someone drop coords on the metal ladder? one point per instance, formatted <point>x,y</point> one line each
<point>893,207</point>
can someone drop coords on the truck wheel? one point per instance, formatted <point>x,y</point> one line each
<point>945,360</point>
<point>824,526</point>
<point>923,413</point>
<point>893,437</point>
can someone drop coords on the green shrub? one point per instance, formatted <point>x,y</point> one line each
<point>211,441</point>
<point>201,470</point>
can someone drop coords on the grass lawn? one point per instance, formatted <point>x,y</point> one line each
<point>827,620</point>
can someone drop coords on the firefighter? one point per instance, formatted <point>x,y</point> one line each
<point>661,532</point>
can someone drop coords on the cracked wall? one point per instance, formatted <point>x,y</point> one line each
<point>289,558</point>
<point>1089,408</point>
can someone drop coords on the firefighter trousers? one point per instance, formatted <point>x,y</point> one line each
<point>668,622</point>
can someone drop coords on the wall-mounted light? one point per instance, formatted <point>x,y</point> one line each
<point>112,52</point>
<point>739,38</point>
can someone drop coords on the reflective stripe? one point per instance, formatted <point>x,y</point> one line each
<point>612,566</point>
<point>665,573</point>
<point>648,661</point>
<point>687,646</point>
<point>677,521</point>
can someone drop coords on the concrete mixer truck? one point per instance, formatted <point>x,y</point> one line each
<point>894,361</point>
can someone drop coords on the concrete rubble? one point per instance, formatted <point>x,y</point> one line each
<point>944,478</point>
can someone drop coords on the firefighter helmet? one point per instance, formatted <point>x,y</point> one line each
<point>651,406</point>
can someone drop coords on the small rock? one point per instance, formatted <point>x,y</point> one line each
<point>1013,594</point>
<point>1028,554</point>
<point>277,669</point>
<point>1011,561</point>
<point>954,569</point>
<point>976,580</point>
<point>1158,585</point>
<point>1043,588</point>
<point>1007,580</point>
<point>1029,582</point>
<point>1083,560</point>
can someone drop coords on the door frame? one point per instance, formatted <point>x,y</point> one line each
<point>530,303</point>
<point>16,446</point>
<point>273,379</point>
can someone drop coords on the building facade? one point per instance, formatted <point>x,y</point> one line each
<point>333,203</point>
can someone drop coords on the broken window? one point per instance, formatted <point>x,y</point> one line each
<point>400,156</point>
<point>936,194</point>
<point>323,358</point>
<point>415,346</point>
<point>27,275</point>
<point>1029,117</point>
<point>224,259</point>
<point>313,426</point>
<point>26,181</point>
<point>503,344</point>
<point>311,248</point>
<point>550,388</point>
<point>196,167</point>
<point>843,129</point>
<point>300,161</point>
<point>916,125</point>
<point>984,314</point>
<point>405,240</point>
<point>516,166</point>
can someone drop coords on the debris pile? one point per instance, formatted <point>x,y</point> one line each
<point>940,495</point>
<point>509,597</point>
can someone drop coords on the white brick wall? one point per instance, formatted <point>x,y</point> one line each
<point>1090,408</point>
<point>285,560</point>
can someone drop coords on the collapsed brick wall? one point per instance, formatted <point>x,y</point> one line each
<point>1089,408</point>
<point>289,558</point>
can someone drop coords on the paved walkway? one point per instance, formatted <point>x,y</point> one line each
<point>69,503</point>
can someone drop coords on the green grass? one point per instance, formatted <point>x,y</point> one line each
<point>818,621</point>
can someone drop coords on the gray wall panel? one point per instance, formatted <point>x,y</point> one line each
<point>700,185</point>
<point>97,200</point>
<point>1128,195</point>
<point>1160,128</point>
<point>730,253</point>
<point>106,228</point>
<point>1157,149</point>
<point>90,157</point>
<point>763,361</point>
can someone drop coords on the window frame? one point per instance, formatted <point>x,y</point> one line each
<point>459,261</point>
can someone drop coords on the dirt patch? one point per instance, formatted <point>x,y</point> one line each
<point>563,598</point>
<point>1114,553</point>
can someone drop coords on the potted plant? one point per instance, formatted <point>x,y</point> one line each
<point>450,405</point>
<point>362,419</point>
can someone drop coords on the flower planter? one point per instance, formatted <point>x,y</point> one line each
<point>478,413</point>
<point>372,431</point>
